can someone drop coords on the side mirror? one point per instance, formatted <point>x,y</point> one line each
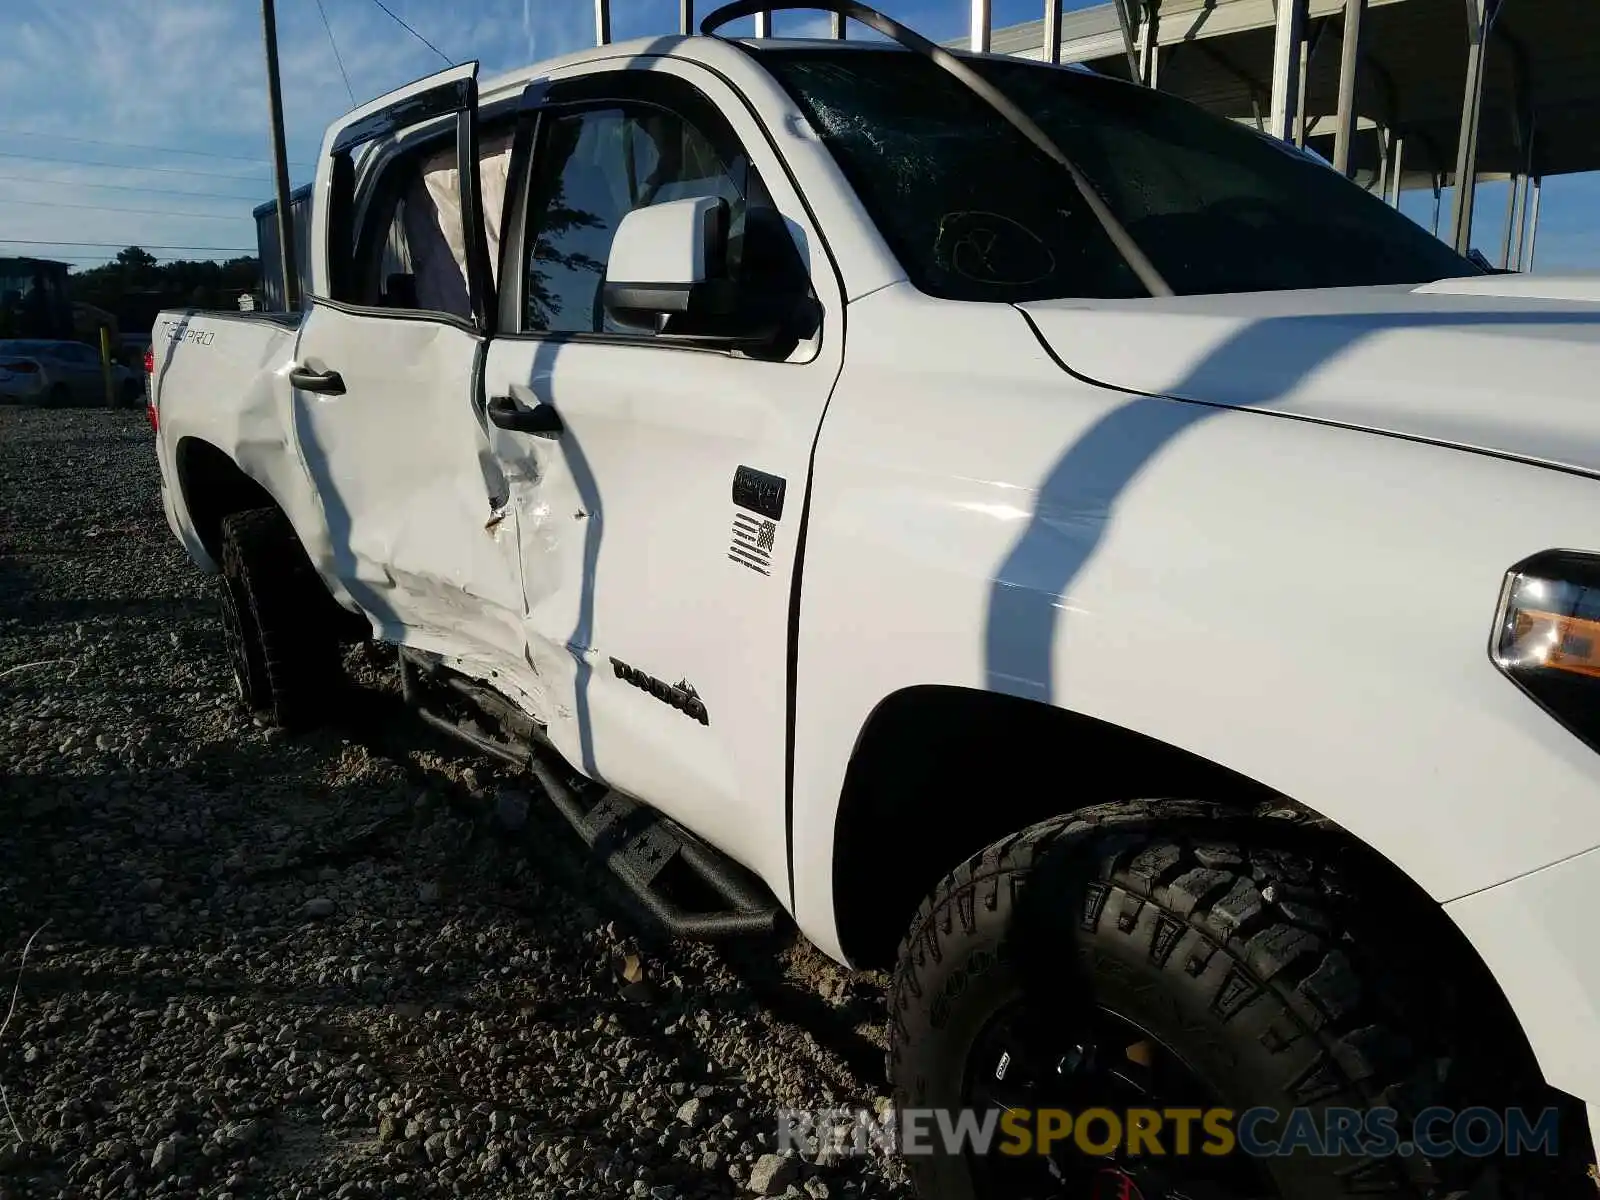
<point>668,260</point>
<point>668,272</point>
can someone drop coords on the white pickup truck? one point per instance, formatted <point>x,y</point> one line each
<point>857,479</point>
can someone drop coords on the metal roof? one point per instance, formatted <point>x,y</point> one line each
<point>1543,58</point>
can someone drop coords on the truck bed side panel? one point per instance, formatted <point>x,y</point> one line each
<point>222,378</point>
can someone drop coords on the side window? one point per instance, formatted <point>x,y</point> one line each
<point>592,168</point>
<point>412,253</point>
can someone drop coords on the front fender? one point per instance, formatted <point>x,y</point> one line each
<point>1306,605</point>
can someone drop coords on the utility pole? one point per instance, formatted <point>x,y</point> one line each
<point>280,161</point>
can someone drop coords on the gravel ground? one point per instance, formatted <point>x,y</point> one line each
<point>357,962</point>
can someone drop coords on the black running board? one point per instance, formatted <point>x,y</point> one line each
<point>693,890</point>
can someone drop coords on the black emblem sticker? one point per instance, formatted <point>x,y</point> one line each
<point>759,492</point>
<point>752,542</point>
<point>679,695</point>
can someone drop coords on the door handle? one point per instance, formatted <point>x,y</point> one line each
<point>329,383</point>
<point>542,420</point>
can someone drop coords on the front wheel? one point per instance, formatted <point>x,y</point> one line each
<point>1134,961</point>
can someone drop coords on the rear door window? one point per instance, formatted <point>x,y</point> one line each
<point>413,253</point>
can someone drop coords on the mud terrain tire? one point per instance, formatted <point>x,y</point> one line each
<point>282,637</point>
<point>1232,953</point>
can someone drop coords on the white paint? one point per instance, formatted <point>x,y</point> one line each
<point>398,465</point>
<point>1537,935</point>
<point>1576,286</point>
<point>1485,363</point>
<point>1246,571</point>
<point>653,438</point>
<point>664,244</point>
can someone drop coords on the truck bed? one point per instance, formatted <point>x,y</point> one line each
<point>197,352</point>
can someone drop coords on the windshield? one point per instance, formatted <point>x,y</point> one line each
<point>975,212</point>
<point>27,347</point>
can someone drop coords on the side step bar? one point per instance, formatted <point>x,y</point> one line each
<point>690,888</point>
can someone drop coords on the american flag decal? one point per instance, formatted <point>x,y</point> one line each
<point>752,542</point>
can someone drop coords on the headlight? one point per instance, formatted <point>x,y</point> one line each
<point>1547,636</point>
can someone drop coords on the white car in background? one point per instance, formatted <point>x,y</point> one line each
<point>59,373</point>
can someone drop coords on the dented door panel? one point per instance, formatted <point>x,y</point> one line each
<point>651,591</point>
<point>399,465</point>
<point>546,521</point>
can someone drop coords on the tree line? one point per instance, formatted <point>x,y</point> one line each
<point>134,284</point>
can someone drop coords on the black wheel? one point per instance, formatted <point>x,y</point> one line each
<point>130,395</point>
<point>282,644</point>
<point>1152,957</point>
<point>59,395</point>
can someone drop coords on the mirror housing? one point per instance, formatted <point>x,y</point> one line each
<point>668,273</point>
<point>663,258</point>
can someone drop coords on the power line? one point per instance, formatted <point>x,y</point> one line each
<point>124,245</point>
<point>75,259</point>
<point>61,137</point>
<point>148,212</point>
<point>124,187</point>
<point>84,162</point>
<point>337,57</point>
<point>414,33</point>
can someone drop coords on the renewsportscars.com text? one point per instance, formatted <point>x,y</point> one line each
<point>1259,1132</point>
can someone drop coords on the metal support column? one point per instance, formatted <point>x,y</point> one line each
<point>1522,224</point>
<point>1286,66</point>
<point>763,24</point>
<point>1349,62</point>
<point>1533,223</point>
<point>1130,33</point>
<point>686,17</point>
<point>1302,68</point>
<point>1396,170</point>
<point>602,22</point>
<point>287,258</point>
<point>1052,31</point>
<point>1150,67</point>
<point>978,31</point>
<point>1480,14</point>
<point>1438,200</point>
<point>836,26</point>
<point>1511,243</point>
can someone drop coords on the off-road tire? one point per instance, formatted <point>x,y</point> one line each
<point>1231,950</point>
<point>278,620</point>
<point>240,636</point>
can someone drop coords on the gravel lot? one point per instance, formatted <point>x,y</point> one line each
<point>357,962</point>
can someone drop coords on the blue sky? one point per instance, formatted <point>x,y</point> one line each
<point>160,106</point>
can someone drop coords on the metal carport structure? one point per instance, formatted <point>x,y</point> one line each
<point>1433,90</point>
